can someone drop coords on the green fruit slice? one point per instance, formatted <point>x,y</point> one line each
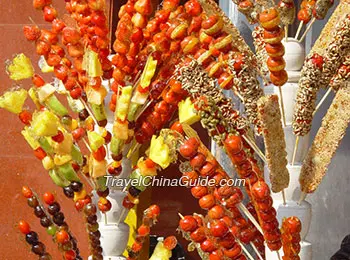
<point>95,140</point>
<point>67,171</point>
<point>57,179</point>
<point>116,145</point>
<point>56,106</point>
<point>98,111</point>
<point>45,144</point>
<point>76,154</point>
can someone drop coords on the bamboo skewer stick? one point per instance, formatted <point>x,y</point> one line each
<point>250,217</point>
<point>307,29</point>
<point>299,30</point>
<point>255,147</point>
<point>121,216</point>
<point>322,100</point>
<point>284,197</point>
<point>286,33</point>
<point>278,255</point>
<point>282,107</point>
<point>106,219</point>
<point>316,109</point>
<point>246,252</point>
<point>295,149</point>
<point>256,251</point>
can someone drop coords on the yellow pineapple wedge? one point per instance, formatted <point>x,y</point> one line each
<point>187,112</point>
<point>161,252</point>
<point>20,68</point>
<point>13,100</point>
<point>45,123</point>
<point>159,152</point>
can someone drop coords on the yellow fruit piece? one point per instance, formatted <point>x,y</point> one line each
<point>159,152</point>
<point>95,140</point>
<point>92,64</point>
<point>95,96</point>
<point>120,130</point>
<point>45,123</point>
<point>62,159</point>
<point>45,68</point>
<point>148,72</point>
<point>145,171</point>
<point>187,112</point>
<point>13,101</point>
<point>160,252</point>
<point>97,168</point>
<point>48,163</point>
<point>45,91</point>
<point>64,147</point>
<point>34,96</point>
<point>28,135</point>
<point>123,103</point>
<point>74,124</point>
<point>79,195</point>
<point>20,68</point>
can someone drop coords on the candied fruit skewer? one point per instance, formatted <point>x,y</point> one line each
<point>149,219</point>
<point>55,226</point>
<point>32,239</point>
<point>290,230</point>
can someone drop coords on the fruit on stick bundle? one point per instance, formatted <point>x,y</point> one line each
<point>305,12</point>
<point>163,248</point>
<point>206,240</point>
<point>270,20</point>
<point>342,76</point>
<point>262,201</point>
<point>149,219</point>
<point>317,73</point>
<point>275,146</point>
<point>326,142</point>
<point>286,9</point>
<point>53,220</point>
<point>32,239</point>
<point>290,230</point>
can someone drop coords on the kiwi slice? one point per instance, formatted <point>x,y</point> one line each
<point>44,143</point>
<point>56,106</point>
<point>57,179</point>
<point>99,111</point>
<point>136,174</point>
<point>76,154</point>
<point>67,171</point>
<point>116,145</point>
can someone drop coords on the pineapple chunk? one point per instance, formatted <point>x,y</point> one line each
<point>97,168</point>
<point>75,104</point>
<point>65,147</point>
<point>123,103</point>
<point>187,112</point>
<point>95,140</point>
<point>120,130</point>
<point>45,68</point>
<point>28,135</point>
<point>34,96</point>
<point>91,64</point>
<point>145,171</point>
<point>20,68</point>
<point>148,72</point>
<point>95,96</point>
<point>45,91</point>
<point>159,152</point>
<point>13,101</point>
<point>48,163</point>
<point>62,159</point>
<point>139,98</point>
<point>161,252</point>
<point>45,123</point>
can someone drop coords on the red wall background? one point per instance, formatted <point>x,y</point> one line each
<point>19,166</point>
